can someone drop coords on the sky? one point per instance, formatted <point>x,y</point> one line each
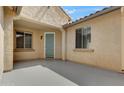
<point>76,12</point>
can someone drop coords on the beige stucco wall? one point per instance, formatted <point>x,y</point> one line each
<point>2,16</point>
<point>38,45</point>
<point>122,37</point>
<point>1,40</point>
<point>105,40</point>
<point>8,39</point>
<point>52,15</point>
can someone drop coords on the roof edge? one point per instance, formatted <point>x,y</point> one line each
<point>91,16</point>
<point>65,13</point>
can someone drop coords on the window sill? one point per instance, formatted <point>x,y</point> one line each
<point>23,50</point>
<point>83,50</point>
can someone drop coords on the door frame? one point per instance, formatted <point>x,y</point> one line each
<point>45,43</point>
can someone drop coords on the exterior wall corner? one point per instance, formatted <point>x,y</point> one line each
<point>1,40</point>
<point>8,39</point>
<point>63,44</point>
<point>122,38</point>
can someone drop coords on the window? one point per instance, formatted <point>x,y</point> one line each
<point>23,40</point>
<point>83,37</point>
<point>78,38</point>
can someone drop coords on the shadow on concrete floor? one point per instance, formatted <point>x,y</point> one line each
<point>80,74</point>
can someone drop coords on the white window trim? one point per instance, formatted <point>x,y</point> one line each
<point>24,40</point>
<point>84,31</point>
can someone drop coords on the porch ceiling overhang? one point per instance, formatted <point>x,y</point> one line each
<point>32,24</point>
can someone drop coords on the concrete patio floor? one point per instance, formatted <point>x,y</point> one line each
<point>33,75</point>
<point>57,72</point>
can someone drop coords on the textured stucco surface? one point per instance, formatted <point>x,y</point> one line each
<point>122,37</point>
<point>37,45</point>
<point>2,16</point>
<point>105,40</point>
<point>8,39</point>
<point>52,15</point>
<point>1,41</point>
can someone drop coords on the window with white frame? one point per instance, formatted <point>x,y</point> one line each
<point>83,37</point>
<point>23,40</point>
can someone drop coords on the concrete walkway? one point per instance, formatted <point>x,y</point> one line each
<point>68,73</point>
<point>35,75</point>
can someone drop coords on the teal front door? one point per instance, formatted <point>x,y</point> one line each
<point>49,44</point>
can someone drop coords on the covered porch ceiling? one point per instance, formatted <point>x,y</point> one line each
<point>32,24</point>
